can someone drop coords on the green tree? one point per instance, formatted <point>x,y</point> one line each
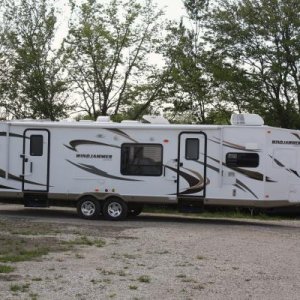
<point>31,75</point>
<point>189,84</point>
<point>108,50</point>
<point>255,57</point>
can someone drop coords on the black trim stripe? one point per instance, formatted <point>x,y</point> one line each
<point>11,134</point>
<point>76,143</point>
<point>18,178</point>
<point>7,187</point>
<point>121,133</point>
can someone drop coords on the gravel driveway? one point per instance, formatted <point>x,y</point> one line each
<point>160,257</point>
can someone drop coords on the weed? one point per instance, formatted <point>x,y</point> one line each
<point>19,288</point>
<point>83,240</point>
<point>33,296</point>
<point>105,272</point>
<point>199,287</point>
<point>144,278</point>
<point>133,287</point>
<point>200,257</point>
<point>188,280</point>
<point>130,256</point>
<point>6,269</point>
<point>112,295</point>
<point>121,273</point>
<point>37,279</point>
<point>162,252</point>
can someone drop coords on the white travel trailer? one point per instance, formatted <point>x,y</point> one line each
<point>114,168</point>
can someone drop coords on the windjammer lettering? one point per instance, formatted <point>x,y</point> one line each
<point>101,156</point>
<point>280,142</point>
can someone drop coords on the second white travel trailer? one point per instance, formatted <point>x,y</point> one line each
<point>113,169</point>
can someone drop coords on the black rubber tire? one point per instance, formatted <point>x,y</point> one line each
<point>88,208</point>
<point>135,209</point>
<point>115,209</point>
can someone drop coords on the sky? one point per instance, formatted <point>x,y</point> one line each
<point>174,8</point>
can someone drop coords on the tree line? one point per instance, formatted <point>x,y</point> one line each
<point>125,59</point>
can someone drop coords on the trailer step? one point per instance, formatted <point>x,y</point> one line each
<point>36,200</point>
<point>190,205</point>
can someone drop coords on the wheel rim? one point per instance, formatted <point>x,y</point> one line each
<point>114,209</point>
<point>88,208</point>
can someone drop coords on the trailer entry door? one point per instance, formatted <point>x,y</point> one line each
<point>191,167</point>
<point>35,160</point>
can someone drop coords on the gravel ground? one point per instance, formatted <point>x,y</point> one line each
<point>161,257</point>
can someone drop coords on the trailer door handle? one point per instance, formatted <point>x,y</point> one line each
<point>30,167</point>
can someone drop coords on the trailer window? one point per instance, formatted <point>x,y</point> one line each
<point>36,145</point>
<point>192,149</point>
<point>249,160</point>
<point>141,159</point>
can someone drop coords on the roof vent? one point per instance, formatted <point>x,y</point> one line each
<point>103,119</point>
<point>246,120</point>
<point>130,122</point>
<point>68,120</point>
<point>154,119</point>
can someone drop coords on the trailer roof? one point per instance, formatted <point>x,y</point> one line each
<point>125,125</point>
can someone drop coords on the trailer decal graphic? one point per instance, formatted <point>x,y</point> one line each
<point>199,186</point>
<point>75,143</point>
<point>96,171</point>
<point>6,187</point>
<point>19,178</point>
<point>238,183</point>
<point>244,186</point>
<point>233,146</point>
<point>296,135</point>
<point>195,184</point>
<point>251,174</point>
<point>283,166</point>
<point>121,133</point>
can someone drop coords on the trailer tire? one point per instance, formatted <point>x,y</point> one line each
<point>115,209</point>
<point>135,209</point>
<point>88,208</point>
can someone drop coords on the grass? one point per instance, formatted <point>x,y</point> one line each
<point>225,212</point>
<point>19,288</point>
<point>6,269</point>
<point>24,255</point>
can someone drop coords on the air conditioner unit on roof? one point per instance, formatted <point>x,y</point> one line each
<point>246,119</point>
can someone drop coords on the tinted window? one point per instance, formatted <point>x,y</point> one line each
<point>36,145</point>
<point>249,160</point>
<point>192,149</point>
<point>141,159</point>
